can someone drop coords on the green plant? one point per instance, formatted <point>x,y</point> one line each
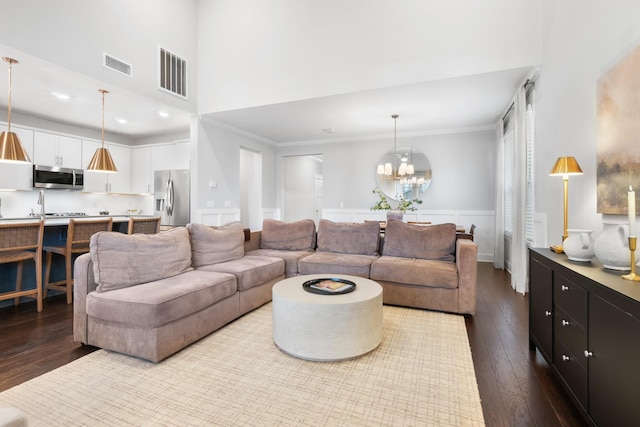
<point>403,205</point>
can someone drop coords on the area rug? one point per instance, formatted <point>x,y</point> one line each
<point>421,375</point>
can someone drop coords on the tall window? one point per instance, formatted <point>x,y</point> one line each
<point>509,145</point>
<point>531,195</point>
<point>509,150</point>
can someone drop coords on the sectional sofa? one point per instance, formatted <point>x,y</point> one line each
<point>417,266</point>
<point>152,295</point>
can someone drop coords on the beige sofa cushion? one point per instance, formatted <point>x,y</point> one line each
<point>151,305</point>
<point>348,238</point>
<point>211,244</point>
<point>123,260</point>
<point>290,258</point>
<point>414,271</point>
<point>290,236</point>
<point>435,242</point>
<point>334,263</point>
<point>250,270</point>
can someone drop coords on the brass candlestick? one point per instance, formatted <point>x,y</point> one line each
<point>632,248</point>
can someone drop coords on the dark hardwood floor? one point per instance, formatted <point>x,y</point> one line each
<point>516,385</point>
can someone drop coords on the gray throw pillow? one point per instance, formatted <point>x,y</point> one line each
<point>211,244</point>
<point>434,242</point>
<point>349,238</point>
<point>290,236</point>
<point>123,260</point>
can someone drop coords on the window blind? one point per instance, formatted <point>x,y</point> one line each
<point>530,199</point>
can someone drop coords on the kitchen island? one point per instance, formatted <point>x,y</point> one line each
<point>55,234</point>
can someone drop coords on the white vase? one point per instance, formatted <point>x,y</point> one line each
<point>579,245</point>
<point>612,246</point>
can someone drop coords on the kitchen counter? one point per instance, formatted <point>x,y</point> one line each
<point>64,220</point>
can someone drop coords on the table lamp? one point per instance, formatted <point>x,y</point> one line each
<point>564,167</point>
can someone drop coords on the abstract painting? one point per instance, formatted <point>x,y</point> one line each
<point>618,134</point>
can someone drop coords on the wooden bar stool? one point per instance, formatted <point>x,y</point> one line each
<point>78,235</point>
<point>20,242</point>
<point>144,225</point>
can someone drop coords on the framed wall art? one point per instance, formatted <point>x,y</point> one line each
<point>618,134</point>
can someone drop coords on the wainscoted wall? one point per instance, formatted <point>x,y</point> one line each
<point>484,221</point>
<point>216,216</point>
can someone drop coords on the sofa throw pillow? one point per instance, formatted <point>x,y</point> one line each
<point>435,242</point>
<point>123,260</point>
<point>289,236</point>
<point>349,238</point>
<point>211,244</point>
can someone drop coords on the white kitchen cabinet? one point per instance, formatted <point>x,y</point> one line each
<point>56,150</point>
<point>120,182</point>
<point>141,171</point>
<point>171,156</point>
<point>100,182</point>
<point>18,176</point>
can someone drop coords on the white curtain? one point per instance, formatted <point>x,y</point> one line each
<point>518,250</point>
<point>498,244</point>
<point>519,255</point>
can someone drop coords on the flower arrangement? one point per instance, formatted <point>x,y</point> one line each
<point>403,205</point>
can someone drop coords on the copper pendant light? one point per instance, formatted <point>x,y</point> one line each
<point>11,150</point>
<point>102,160</point>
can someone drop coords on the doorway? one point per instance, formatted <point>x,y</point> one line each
<point>250,188</point>
<point>303,181</point>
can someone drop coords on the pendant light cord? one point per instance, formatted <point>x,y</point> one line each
<point>11,61</point>
<point>395,148</point>
<point>103,92</point>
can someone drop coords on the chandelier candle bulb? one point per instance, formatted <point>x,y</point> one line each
<point>632,212</point>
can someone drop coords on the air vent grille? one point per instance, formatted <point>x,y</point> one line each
<point>116,65</point>
<point>173,73</point>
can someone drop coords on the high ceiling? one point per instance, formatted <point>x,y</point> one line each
<point>457,104</point>
<point>471,102</point>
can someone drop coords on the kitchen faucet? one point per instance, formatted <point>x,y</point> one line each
<point>41,203</point>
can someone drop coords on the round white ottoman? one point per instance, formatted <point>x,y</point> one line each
<point>327,327</point>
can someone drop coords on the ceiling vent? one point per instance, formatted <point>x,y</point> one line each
<point>173,73</point>
<point>116,65</point>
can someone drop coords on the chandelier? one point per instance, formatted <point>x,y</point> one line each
<point>403,174</point>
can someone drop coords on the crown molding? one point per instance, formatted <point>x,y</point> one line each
<point>237,131</point>
<point>386,136</point>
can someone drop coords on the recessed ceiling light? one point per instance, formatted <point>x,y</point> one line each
<point>163,114</point>
<point>62,96</point>
<point>121,121</point>
<point>328,130</point>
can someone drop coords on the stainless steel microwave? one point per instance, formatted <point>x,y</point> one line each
<point>57,177</point>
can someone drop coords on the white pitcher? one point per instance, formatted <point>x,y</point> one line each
<point>612,246</point>
<point>579,245</point>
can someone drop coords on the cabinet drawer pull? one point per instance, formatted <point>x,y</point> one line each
<point>565,322</point>
<point>564,288</point>
<point>565,358</point>
<point>547,313</point>
<point>587,353</point>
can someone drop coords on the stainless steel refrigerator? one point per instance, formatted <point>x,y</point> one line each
<point>171,196</point>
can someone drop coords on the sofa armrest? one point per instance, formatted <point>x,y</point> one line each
<point>253,243</point>
<point>467,264</point>
<point>83,283</point>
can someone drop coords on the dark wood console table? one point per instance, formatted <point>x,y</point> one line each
<point>585,321</point>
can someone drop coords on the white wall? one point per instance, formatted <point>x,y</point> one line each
<point>216,157</point>
<point>256,52</point>
<point>463,170</point>
<point>586,38</point>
